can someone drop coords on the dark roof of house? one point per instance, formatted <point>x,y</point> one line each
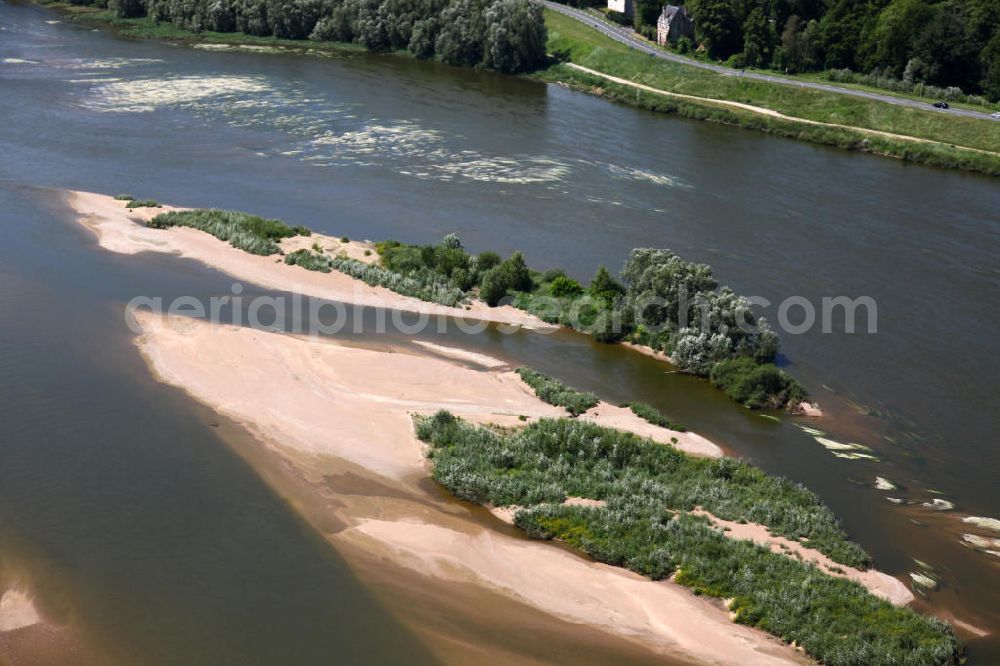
<point>670,11</point>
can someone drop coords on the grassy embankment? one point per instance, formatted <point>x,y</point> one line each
<point>824,77</point>
<point>644,525</point>
<point>581,45</point>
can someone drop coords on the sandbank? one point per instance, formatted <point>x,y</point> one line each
<point>17,611</point>
<point>309,398</point>
<point>123,231</point>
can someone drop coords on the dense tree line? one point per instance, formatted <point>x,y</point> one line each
<point>506,35</point>
<point>941,43</point>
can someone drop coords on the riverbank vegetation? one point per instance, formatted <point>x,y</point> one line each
<point>756,385</point>
<point>430,288</point>
<point>250,233</point>
<point>551,390</point>
<point>575,42</point>
<point>676,307</point>
<point>486,272</point>
<point>950,46</point>
<point>662,302</point>
<point>647,490</point>
<point>652,415</point>
<point>505,35</point>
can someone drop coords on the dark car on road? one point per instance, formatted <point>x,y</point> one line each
<point>940,105</point>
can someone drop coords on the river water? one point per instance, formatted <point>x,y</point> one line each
<point>106,480</point>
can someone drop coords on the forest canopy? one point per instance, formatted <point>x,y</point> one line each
<point>505,35</point>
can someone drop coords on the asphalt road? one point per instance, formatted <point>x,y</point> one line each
<point>627,36</point>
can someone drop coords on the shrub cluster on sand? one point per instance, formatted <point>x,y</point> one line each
<point>662,301</point>
<point>486,273</point>
<point>132,202</point>
<point>143,203</point>
<point>250,233</point>
<point>653,415</point>
<point>677,307</point>
<point>756,384</point>
<point>427,289</point>
<point>554,392</point>
<point>647,488</point>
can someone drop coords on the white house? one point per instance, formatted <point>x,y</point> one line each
<point>621,6</point>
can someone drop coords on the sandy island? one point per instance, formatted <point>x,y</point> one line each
<point>122,230</point>
<point>311,401</point>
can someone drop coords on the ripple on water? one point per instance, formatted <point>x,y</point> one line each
<point>643,175</point>
<point>328,133</point>
<point>147,95</point>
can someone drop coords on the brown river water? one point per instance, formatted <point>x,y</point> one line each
<point>134,520</point>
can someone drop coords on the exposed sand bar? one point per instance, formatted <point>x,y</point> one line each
<point>623,418</point>
<point>322,397</point>
<point>310,398</point>
<point>880,584</point>
<point>662,615</point>
<point>17,611</point>
<point>123,231</point>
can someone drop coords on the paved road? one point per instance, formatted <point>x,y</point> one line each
<point>627,36</point>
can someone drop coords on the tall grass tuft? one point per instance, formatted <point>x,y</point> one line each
<point>250,233</point>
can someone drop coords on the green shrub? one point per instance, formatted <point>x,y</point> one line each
<point>311,261</point>
<point>564,286</point>
<point>434,290</point>
<point>487,260</point>
<point>756,385</point>
<point>516,274</point>
<point>554,392</point>
<point>553,273</point>
<point>643,525</point>
<point>124,197</point>
<point>493,286</point>
<point>604,287</point>
<point>143,203</point>
<point>653,415</point>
